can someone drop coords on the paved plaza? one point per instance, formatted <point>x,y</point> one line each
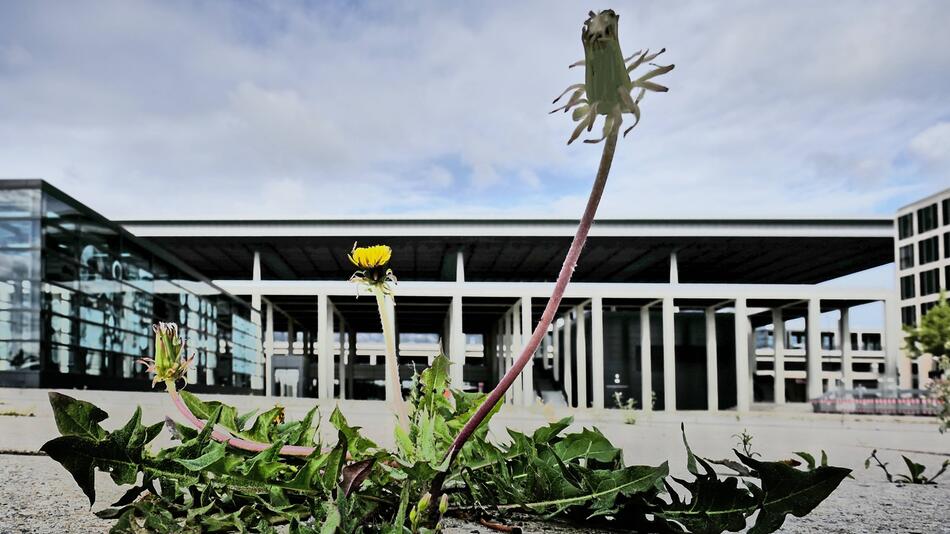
<point>35,487</point>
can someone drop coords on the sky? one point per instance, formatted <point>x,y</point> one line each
<point>197,110</point>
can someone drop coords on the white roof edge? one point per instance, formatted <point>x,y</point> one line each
<point>927,199</point>
<point>878,227</point>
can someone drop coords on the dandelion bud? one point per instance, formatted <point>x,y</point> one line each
<point>168,363</point>
<point>167,347</point>
<point>443,504</point>
<point>413,515</point>
<point>424,502</point>
<point>608,88</point>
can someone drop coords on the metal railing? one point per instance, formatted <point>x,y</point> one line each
<point>889,401</point>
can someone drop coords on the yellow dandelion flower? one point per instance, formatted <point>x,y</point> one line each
<point>373,264</point>
<point>370,257</point>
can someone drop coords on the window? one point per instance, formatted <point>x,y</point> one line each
<point>946,245</point>
<point>907,287</point>
<point>929,282</point>
<point>907,256</point>
<point>926,218</point>
<point>927,249</point>
<point>827,340</point>
<point>905,226</point>
<point>872,341</point>
<point>909,315</point>
<point>946,211</point>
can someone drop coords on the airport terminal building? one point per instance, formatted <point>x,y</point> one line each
<point>675,314</point>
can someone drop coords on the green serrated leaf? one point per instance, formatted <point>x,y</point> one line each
<point>203,410</point>
<point>787,490</point>
<point>332,520</point>
<point>214,451</point>
<point>76,417</point>
<point>588,444</point>
<point>548,432</point>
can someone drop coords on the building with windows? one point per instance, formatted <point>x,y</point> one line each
<point>666,312</point>
<point>78,296</point>
<point>922,253</point>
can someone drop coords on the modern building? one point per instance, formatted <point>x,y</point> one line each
<point>78,296</point>
<point>866,370</point>
<point>666,312</point>
<point>922,255</point>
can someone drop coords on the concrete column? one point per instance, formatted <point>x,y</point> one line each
<point>500,349</point>
<point>324,348</point>
<point>669,356</point>
<point>906,372</point>
<point>813,349</point>
<point>581,357</point>
<point>556,351</point>
<point>290,337</point>
<point>597,352</point>
<point>303,384</point>
<point>269,351</point>
<point>646,362</point>
<point>778,338</point>
<point>256,383</point>
<point>546,350</point>
<point>743,394</point>
<point>507,349</point>
<point>893,340</point>
<point>712,361</point>
<point>350,359</point>
<point>456,342</point>
<point>342,363</point>
<point>568,372</point>
<point>527,374</point>
<point>516,345</point>
<point>847,366</point>
<point>674,269</point>
<point>925,364</point>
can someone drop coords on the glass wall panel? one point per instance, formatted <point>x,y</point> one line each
<point>78,297</point>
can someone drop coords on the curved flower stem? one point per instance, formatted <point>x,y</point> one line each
<point>393,393</point>
<point>237,443</point>
<point>567,270</point>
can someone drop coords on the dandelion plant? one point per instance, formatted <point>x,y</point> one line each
<point>231,474</point>
<point>606,91</point>
<point>374,274</point>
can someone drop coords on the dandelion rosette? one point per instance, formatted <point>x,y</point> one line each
<point>168,364</point>
<point>608,88</point>
<point>373,264</point>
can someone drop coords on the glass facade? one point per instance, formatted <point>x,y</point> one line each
<point>78,296</point>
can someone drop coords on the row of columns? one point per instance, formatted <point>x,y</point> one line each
<point>515,327</point>
<point>510,335</point>
<point>573,324</point>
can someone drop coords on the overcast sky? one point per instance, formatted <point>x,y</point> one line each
<point>272,109</point>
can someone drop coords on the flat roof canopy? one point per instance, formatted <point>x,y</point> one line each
<point>799,251</point>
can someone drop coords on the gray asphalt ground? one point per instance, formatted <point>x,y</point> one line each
<point>38,496</point>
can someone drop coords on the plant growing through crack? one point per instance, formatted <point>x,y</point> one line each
<point>627,406</point>
<point>915,471</point>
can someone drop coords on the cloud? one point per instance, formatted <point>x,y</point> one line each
<point>314,109</point>
<point>933,144</point>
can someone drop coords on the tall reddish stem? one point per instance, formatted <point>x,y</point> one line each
<point>563,279</point>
